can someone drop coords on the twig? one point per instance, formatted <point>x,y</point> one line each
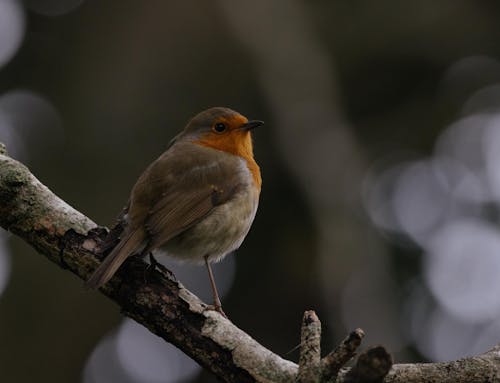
<point>343,353</point>
<point>310,349</point>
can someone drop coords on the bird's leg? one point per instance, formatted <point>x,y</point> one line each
<point>217,304</point>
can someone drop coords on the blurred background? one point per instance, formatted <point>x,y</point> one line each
<point>380,158</point>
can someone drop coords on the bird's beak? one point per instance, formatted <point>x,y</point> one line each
<point>250,125</point>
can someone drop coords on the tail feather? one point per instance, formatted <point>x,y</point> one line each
<point>127,246</point>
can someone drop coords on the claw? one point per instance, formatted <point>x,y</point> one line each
<point>217,308</point>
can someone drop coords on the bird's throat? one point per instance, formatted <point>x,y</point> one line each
<point>236,143</point>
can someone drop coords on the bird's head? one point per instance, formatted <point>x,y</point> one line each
<point>222,129</point>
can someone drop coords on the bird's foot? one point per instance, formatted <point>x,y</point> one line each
<point>217,307</point>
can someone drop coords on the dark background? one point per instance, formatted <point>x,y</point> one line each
<point>379,206</point>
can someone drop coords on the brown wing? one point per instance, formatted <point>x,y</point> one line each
<point>178,211</point>
<point>183,193</point>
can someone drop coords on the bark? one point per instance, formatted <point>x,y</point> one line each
<point>31,211</point>
<point>345,351</point>
<point>310,349</point>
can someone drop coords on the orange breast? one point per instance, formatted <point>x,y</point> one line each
<point>236,142</point>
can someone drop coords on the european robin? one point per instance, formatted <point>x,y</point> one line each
<point>196,201</point>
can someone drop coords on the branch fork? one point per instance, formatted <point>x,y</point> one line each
<point>371,366</point>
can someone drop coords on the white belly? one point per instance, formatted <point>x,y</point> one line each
<point>220,233</point>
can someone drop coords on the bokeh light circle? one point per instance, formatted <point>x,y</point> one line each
<point>148,358</point>
<point>419,200</point>
<point>12,26</point>
<point>491,144</point>
<point>29,124</point>
<point>462,266</point>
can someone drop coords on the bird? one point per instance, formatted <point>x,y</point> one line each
<point>196,202</point>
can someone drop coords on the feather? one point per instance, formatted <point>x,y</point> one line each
<point>127,246</point>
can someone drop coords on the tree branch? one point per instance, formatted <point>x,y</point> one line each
<point>69,239</point>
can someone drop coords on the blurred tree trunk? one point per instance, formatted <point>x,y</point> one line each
<point>318,145</point>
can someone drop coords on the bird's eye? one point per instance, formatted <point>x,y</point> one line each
<point>219,127</point>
